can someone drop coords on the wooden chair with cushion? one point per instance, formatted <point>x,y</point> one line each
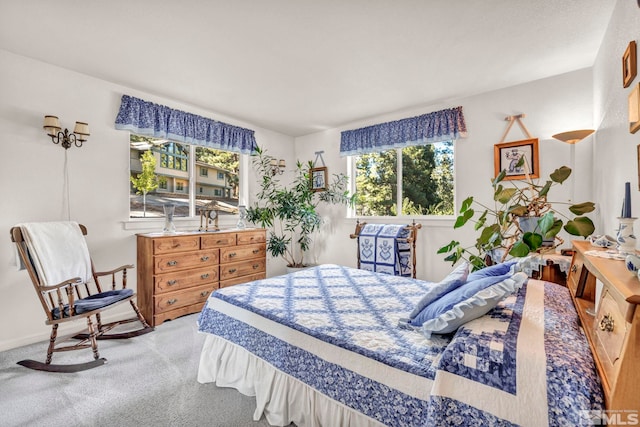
<point>56,256</point>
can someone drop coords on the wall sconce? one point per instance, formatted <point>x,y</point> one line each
<point>572,138</point>
<point>64,138</point>
<point>277,167</point>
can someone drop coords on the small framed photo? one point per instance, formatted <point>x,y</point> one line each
<point>518,159</point>
<point>629,64</point>
<point>634,109</point>
<point>319,178</point>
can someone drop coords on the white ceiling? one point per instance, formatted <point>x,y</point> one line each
<point>300,66</point>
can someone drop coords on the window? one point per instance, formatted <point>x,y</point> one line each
<point>415,180</point>
<point>161,172</point>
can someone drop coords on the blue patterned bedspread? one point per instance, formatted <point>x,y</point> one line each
<point>524,363</point>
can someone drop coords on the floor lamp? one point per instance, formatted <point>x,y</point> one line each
<point>572,138</point>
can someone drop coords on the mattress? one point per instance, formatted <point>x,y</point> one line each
<point>322,347</point>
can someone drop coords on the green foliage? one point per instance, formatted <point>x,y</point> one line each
<point>500,226</point>
<point>290,211</point>
<point>147,180</point>
<point>427,181</point>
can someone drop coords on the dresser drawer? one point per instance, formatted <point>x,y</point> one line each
<point>249,237</point>
<point>174,300</point>
<point>185,260</point>
<point>575,273</point>
<point>218,240</point>
<point>242,279</point>
<point>168,282</point>
<point>242,268</point>
<point>239,253</point>
<point>164,245</point>
<point>610,330</point>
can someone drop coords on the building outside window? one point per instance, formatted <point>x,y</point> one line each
<point>175,168</point>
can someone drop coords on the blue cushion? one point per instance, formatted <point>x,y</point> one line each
<point>94,302</point>
<point>453,280</point>
<point>492,270</point>
<point>468,302</point>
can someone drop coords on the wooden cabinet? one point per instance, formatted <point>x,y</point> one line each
<point>613,330</point>
<point>177,273</point>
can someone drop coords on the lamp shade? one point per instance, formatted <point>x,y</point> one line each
<point>51,125</point>
<point>574,136</point>
<point>81,128</point>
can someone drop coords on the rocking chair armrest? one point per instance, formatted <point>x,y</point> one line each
<point>121,268</point>
<point>61,285</point>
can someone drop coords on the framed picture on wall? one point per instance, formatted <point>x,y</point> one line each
<point>634,109</point>
<point>629,64</point>
<point>319,178</point>
<point>518,159</point>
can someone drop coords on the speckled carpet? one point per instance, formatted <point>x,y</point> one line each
<point>149,380</point>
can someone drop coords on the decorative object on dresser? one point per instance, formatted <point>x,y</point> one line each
<point>606,297</point>
<point>177,273</point>
<point>625,237</point>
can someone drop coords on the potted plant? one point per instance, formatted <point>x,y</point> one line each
<point>503,225</point>
<point>291,211</point>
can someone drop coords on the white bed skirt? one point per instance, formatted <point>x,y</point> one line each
<point>281,398</point>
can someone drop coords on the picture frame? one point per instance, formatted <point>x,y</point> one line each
<point>629,64</point>
<point>634,109</point>
<point>507,155</point>
<point>319,178</point>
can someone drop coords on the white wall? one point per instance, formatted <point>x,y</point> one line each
<point>615,149</point>
<point>551,105</point>
<point>32,174</point>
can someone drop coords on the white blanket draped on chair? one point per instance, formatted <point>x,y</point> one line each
<point>58,250</point>
<point>383,249</point>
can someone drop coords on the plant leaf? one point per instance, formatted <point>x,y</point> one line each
<point>561,174</point>
<point>466,204</point>
<point>580,226</point>
<point>500,177</point>
<point>582,208</point>
<point>520,249</point>
<point>505,195</point>
<point>449,247</point>
<point>545,189</point>
<point>462,219</point>
<point>546,222</point>
<point>518,210</point>
<point>532,240</point>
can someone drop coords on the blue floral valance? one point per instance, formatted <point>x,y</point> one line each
<point>149,119</point>
<point>443,125</point>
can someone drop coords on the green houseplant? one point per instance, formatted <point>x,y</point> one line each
<point>502,226</point>
<point>291,211</point>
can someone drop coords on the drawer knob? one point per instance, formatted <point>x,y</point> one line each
<point>255,251</point>
<point>171,282</point>
<point>607,323</point>
<point>204,258</point>
<point>172,263</point>
<point>255,266</point>
<point>204,276</point>
<point>232,254</point>
<point>232,270</point>
<point>204,293</point>
<point>172,301</point>
<point>574,268</point>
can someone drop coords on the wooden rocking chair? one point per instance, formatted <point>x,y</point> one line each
<point>69,298</point>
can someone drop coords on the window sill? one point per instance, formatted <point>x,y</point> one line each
<point>426,221</point>
<point>144,225</point>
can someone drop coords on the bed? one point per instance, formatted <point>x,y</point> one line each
<point>322,347</point>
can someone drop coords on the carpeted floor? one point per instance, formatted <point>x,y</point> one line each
<point>148,380</point>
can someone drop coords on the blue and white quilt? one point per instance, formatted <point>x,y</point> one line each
<point>383,248</point>
<point>334,329</point>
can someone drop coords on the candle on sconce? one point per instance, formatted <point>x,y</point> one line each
<point>627,200</point>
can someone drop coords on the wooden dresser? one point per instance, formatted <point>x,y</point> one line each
<point>177,272</point>
<point>614,331</point>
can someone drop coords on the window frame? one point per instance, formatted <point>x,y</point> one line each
<point>351,171</point>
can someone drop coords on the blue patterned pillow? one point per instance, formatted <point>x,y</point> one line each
<point>453,280</point>
<point>468,302</point>
<point>492,270</point>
